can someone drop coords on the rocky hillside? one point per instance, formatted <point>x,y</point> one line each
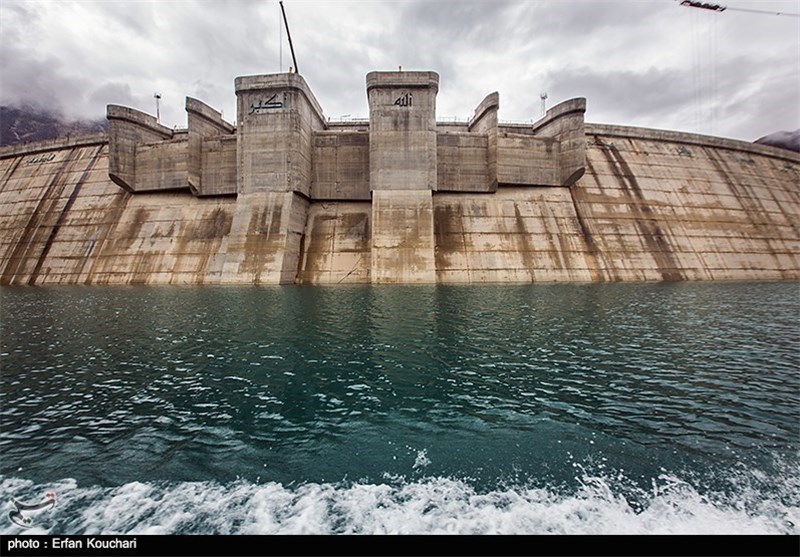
<point>20,125</point>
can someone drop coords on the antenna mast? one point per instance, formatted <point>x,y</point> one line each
<point>289,35</point>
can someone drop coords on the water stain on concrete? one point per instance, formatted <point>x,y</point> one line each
<point>648,226</point>
<point>448,233</point>
<point>62,216</point>
<point>751,204</point>
<point>524,245</point>
<point>592,254</point>
<point>27,247</point>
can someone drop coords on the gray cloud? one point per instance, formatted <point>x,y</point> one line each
<point>580,18</point>
<point>38,82</point>
<point>654,93</point>
<point>112,93</point>
<point>647,63</point>
<point>769,107</point>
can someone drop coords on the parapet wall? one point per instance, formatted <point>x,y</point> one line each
<point>140,142</point>
<point>559,200</point>
<point>210,151</point>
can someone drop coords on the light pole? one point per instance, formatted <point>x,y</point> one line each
<point>157,97</point>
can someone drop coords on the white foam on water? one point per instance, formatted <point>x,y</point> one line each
<point>422,460</point>
<point>433,505</point>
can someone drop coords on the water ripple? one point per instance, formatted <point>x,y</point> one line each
<point>314,384</point>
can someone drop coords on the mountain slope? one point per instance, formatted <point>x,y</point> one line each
<point>20,125</point>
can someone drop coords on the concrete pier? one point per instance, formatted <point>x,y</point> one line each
<point>402,172</point>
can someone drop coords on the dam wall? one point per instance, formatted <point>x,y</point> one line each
<point>286,196</point>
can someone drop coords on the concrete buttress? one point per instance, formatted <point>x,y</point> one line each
<point>277,117</point>
<point>403,174</point>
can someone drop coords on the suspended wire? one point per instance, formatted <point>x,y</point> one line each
<point>705,75</point>
<point>714,83</point>
<point>788,14</point>
<point>703,72</point>
<point>698,98</point>
<point>705,48</point>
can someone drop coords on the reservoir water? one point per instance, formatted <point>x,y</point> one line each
<point>604,408</point>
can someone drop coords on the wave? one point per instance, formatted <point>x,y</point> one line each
<point>433,505</point>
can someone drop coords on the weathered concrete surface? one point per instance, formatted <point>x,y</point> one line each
<point>463,163</point>
<point>336,247</point>
<point>403,174</point>
<point>652,206</point>
<point>211,151</point>
<point>64,222</point>
<point>485,122</point>
<point>564,123</point>
<point>264,243</point>
<point>515,235</point>
<point>402,237</point>
<point>549,153</point>
<point>402,130</point>
<point>341,166</point>
<point>141,143</point>
<point>277,116</point>
<point>287,197</point>
<point>666,206</point>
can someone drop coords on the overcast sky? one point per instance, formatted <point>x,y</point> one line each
<point>646,63</point>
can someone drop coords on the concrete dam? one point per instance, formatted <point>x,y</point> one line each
<point>287,196</point>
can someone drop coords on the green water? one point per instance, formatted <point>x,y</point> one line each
<point>563,408</point>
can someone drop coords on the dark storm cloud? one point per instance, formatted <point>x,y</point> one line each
<point>40,83</point>
<point>659,97</point>
<point>441,30</point>
<point>38,78</point>
<point>647,63</point>
<point>115,52</point>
